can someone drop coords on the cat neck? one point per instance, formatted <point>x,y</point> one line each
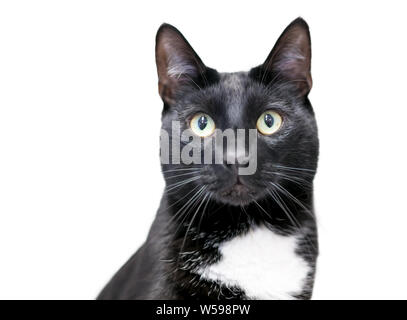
<point>213,222</point>
<point>196,238</point>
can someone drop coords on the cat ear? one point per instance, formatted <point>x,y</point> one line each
<point>177,63</point>
<point>290,58</point>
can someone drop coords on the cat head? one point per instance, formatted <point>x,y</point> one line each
<point>270,102</point>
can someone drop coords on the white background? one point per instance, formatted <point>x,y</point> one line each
<point>79,128</point>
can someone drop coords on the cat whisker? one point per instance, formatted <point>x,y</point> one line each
<point>293,168</point>
<point>181,169</point>
<point>183,174</point>
<point>277,198</point>
<point>203,211</point>
<point>295,179</point>
<point>192,221</point>
<point>179,200</point>
<point>193,202</point>
<point>244,210</point>
<point>263,210</point>
<point>290,196</point>
<point>185,207</point>
<point>295,173</point>
<point>181,183</point>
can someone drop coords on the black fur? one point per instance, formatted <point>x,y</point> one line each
<point>163,267</point>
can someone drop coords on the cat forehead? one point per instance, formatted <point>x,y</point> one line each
<point>233,87</point>
<point>235,81</point>
<point>234,98</point>
<point>240,92</point>
<point>237,87</point>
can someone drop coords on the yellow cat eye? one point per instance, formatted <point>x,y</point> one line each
<point>269,122</point>
<point>202,125</point>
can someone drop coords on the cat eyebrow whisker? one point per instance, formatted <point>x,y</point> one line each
<point>192,80</point>
<point>272,82</point>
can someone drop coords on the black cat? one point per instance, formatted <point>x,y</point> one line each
<point>219,234</point>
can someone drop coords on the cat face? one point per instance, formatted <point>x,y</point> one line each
<point>270,100</point>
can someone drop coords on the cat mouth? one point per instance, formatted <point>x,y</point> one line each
<point>238,194</point>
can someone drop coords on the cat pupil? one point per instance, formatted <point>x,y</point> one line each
<point>202,122</point>
<point>269,120</point>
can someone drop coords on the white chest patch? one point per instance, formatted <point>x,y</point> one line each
<point>262,263</point>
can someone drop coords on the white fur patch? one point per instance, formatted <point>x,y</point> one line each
<point>262,263</point>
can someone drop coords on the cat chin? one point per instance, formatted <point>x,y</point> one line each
<point>237,194</point>
<point>235,202</point>
<point>236,198</point>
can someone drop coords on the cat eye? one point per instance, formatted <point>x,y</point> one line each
<point>202,125</point>
<point>269,122</point>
